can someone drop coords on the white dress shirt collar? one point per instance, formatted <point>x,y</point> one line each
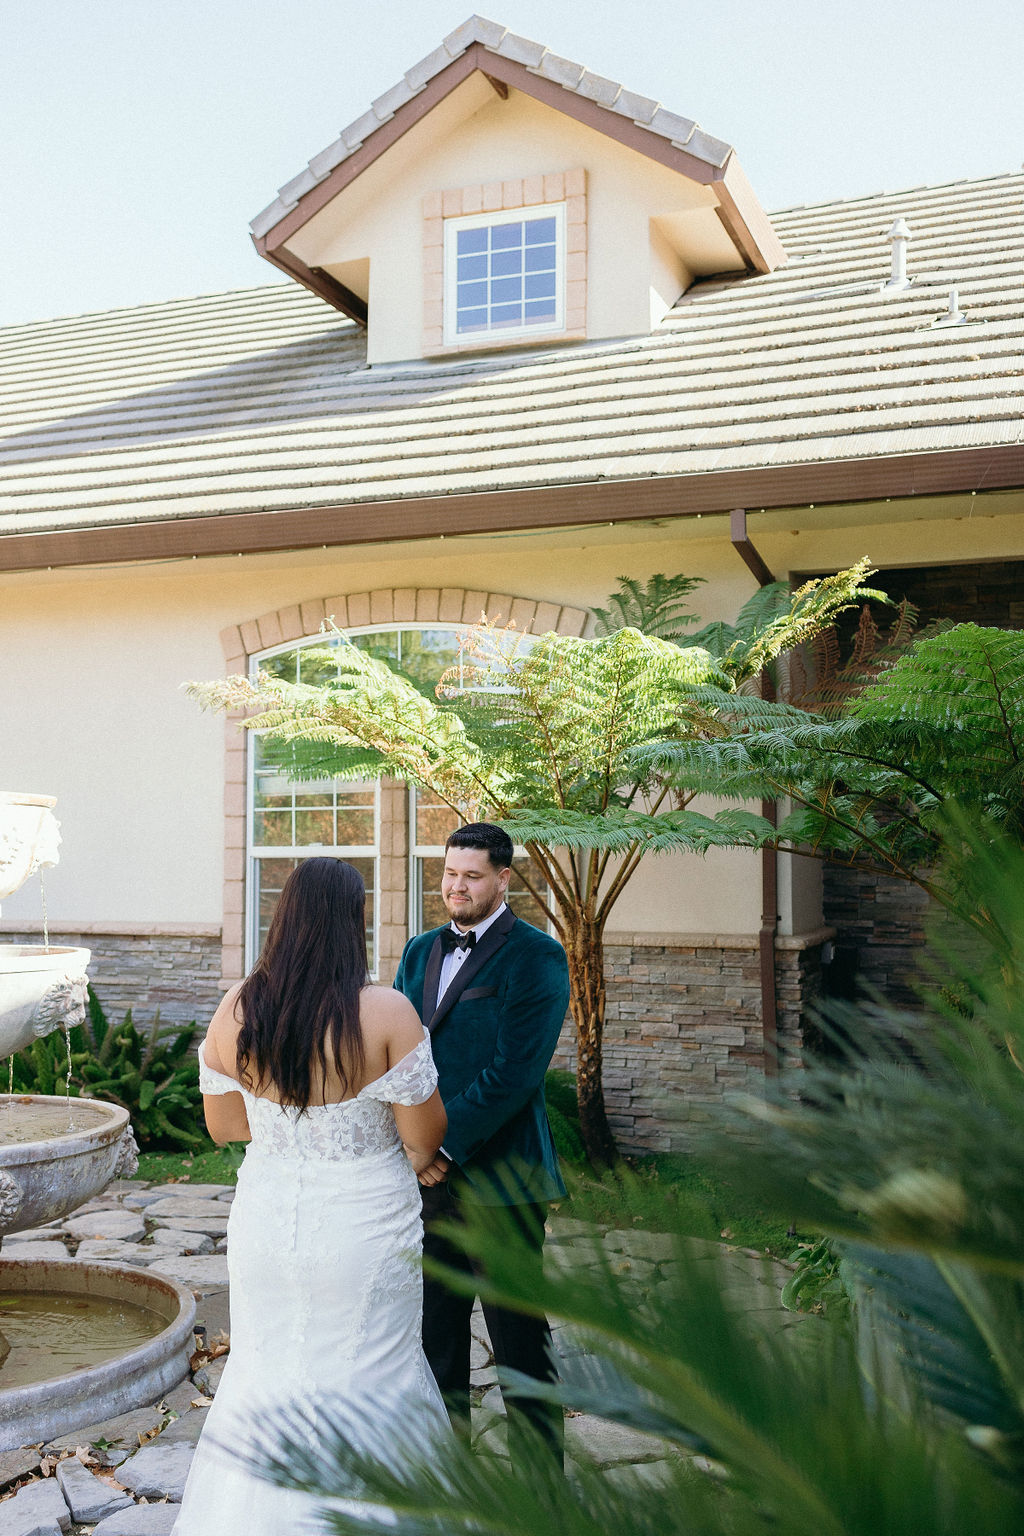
<point>481,927</point>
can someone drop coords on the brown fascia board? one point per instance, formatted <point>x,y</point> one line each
<point>670,496</point>
<point>746,222</point>
<point>322,284</point>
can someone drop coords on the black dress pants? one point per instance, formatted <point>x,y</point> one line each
<point>519,1342</point>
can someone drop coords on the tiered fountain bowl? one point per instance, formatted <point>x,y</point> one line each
<point>127,1332</point>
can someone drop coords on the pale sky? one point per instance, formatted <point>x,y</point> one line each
<point>139,137</point>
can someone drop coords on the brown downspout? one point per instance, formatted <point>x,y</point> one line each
<point>769,856</point>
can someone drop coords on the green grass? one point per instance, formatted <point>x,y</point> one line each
<point>691,1196</point>
<point>682,1194</point>
<point>219,1165</point>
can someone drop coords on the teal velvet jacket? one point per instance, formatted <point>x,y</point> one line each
<point>493,1037</point>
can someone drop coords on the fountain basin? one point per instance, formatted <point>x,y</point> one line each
<point>43,1180</point>
<point>40,990</point>
<point>139,1376</point>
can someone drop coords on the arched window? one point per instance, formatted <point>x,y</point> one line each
<point>289,820</point>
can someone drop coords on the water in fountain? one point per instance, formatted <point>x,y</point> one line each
<point>31,1121</point>
<point>53,1333</point>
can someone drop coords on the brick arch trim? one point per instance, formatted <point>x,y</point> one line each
<point>396,605</point>
<point>350,610</point>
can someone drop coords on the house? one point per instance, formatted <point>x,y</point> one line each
<point>536,331</point>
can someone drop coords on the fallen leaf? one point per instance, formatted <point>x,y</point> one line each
<point>201,1402</point>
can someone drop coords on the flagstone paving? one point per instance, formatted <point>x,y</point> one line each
<point>125,1477</point>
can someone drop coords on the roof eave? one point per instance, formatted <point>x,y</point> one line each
<point>829,482</point>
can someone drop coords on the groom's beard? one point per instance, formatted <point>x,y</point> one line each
<point>467,913</point>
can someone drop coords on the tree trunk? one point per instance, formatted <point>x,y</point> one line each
<point>585,951</point>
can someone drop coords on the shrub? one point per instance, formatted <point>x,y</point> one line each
<point>153,1076</point>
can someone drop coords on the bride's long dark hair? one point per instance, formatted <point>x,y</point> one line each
<point>301,999</point>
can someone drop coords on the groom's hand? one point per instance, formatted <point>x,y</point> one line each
<point>435,1172</point>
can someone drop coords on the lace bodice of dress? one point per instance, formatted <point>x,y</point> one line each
<point>357,1127</point>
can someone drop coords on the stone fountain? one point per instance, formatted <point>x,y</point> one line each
<point>56,1154</point>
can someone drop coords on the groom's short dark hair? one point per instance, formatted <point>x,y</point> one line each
<point>495,842</point>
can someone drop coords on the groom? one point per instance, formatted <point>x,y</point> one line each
<point>493,992</point>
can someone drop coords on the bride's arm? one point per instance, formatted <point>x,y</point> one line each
<point>224,1110</point>
<point>421,1126</point>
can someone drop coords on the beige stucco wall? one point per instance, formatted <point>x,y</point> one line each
<point>478,138</point>
<point>91,708</point>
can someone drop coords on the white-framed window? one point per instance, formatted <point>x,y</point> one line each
<point>504,273</point>
<point>288,819</point>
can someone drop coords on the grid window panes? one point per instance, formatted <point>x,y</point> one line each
<point>294,819</point>
<point>270,874</point>
<point>504,273</point>
<point>432,821</point>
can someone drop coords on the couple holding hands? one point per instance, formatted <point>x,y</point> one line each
<point>372,1114</point>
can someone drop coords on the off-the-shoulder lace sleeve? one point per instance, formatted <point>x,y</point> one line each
<point>215,1082</point>
<point>410,1081</point>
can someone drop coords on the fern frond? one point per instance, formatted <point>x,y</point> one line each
<point>654,608</point>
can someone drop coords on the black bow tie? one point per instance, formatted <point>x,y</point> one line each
<point>451,940</point>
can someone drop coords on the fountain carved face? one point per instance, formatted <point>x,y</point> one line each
<point>41,988</point>
<point>29,838</point>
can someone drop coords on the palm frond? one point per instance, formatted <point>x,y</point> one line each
<point>798,1444</point>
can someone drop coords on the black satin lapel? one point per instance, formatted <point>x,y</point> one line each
<point>489,945</point>
<point>431,978</point>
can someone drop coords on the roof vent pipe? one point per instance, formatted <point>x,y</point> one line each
<point>899,234</point>
<point>954,315</point>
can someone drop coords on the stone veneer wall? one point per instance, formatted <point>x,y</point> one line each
<point>879,924</point>
<point>175,969</point>
<point>683,1028</point>
<point>683,1025</point>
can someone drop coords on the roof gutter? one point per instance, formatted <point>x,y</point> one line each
<point>769,855</point>
<point>832,482</point>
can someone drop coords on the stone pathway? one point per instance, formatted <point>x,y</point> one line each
<point>125,1477</point>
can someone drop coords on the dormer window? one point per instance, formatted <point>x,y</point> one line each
<point>505,263</point>
<point>505,275</point>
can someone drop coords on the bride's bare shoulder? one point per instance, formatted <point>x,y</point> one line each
<point>388,1016</point>
<point>222,1036</point>
<point>383,1005</point>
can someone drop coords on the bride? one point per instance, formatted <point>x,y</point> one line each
<point>332,1084</point>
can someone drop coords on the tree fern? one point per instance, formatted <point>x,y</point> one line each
<point>547,735</point>
<point>943,725</point>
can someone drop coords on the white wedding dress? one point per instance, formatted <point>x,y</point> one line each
<point>324,1239</point>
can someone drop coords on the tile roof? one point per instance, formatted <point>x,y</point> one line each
<point>261,399</point>
<point>682,132</point>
